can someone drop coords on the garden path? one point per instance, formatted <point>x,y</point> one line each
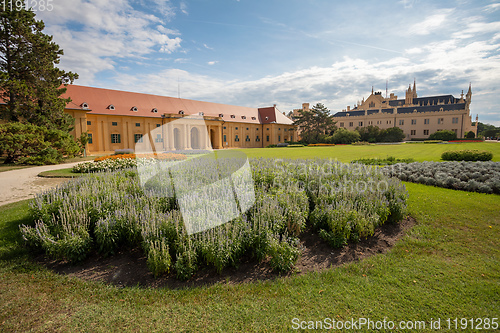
<point>16,185</point>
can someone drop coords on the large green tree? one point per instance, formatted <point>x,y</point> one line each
<point>315,124</point>
<point>30,82</point>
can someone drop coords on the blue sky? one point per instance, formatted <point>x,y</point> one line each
<point>258,53</point>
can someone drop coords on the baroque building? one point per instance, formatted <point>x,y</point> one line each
<point>418,117</point>
<point>117,119</point>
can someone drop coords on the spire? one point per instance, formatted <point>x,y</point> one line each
<point>414,88</point>
<point>372,90</point>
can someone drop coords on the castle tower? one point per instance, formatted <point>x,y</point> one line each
<point>409,96</point>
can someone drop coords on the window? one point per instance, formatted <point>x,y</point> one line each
<point>221,115</point>
<point>267,138</point>
<point>279,128</point>
<point>360,123</point>
<point>236,138</point>
<point>388,121</point>
<point>158,138</point>
<point>84,105</point>
<point>341,125</point>
<point>247,128</point>
<point>233,116</point>
<point>401,122</point>
<point>454,120</point>
<point>114,123</point>
<point>236,128</point>
<point>201,113</point>
<point>158,125</point>
<point>279,138</point>
<point>267,128</point>
<point>257,129</point>
<point>137,138</point>
<point>426,121</point>
<point>257,138</point>
<point>426,132</point>
<point>89,136</point>
<point>243,117</point>
<point>224,127</point>
<point>137,124</point>
<point>111,107</point>
<point>440,120</point>
<point>247,138</point>
<point>253,118</point>
<point>455,130</point>
<point>413,132</point>
<point>155,110</point>
<point>291,138</point>
<point>181,112</point>
<point>134,108</point>
<point>414,121</point>
<point>372,104</point>
<point>89,123</point>
<point>351,124</point>
<point>225,138</point>
<point>115,138</point>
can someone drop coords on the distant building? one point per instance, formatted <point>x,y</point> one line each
<point>117,119</point>
<point>418,117</point>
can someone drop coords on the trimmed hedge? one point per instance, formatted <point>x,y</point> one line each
<point>467,155</point>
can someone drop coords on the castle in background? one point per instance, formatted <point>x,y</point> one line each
<point>418,117</point>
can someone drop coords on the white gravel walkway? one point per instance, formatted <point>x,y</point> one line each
<point>16,185</point>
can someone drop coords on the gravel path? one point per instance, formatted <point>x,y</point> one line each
<point>16,185</point>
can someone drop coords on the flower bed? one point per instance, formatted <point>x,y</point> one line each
<point>124,161</point>
<point>481,177</point>
<point>107,211</point>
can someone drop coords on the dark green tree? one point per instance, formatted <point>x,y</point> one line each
<point>445,135</point>
<point>369,133</point>
<point>391,134</point>
<point>315,124</point>
<point>30,82</point>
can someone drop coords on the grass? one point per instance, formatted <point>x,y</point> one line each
<point>7,167</point>
<point>61,173</point>
<point>446,267</point>
<point>347,153</point>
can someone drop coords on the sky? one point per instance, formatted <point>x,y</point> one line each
<point>258,53</point>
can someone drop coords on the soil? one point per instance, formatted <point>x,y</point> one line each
<point>128,268</point>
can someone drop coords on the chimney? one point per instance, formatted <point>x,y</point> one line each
<point>274,105</point>
<point>348,108</point>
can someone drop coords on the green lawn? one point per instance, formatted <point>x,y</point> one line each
<point>418,151</point>
<point>446,267</point>
<point>7,167</point>
<point>61,173</point>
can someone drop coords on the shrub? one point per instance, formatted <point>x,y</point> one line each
<point>282,144</point>
<point>444,135</point>
<point>392,134</point>
<point>383,161</point>
<point>31,144</point>
<point>110,210</point>
<point>467,155</point>
<point>470,135</point>
<point>344,136</point>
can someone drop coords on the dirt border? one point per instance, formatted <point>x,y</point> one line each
<point>128,268</point>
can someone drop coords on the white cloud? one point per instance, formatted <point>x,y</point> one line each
<point>430,24</point>
<point>183,7</point>
<point>208,47</point>
<point>414,50</point>
<point>212,62</point>
<point>105,32</point>
<point>492,7</point>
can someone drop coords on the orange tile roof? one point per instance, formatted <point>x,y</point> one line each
<point>98,101</point>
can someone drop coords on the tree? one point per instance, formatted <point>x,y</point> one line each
<point>470,135</point>
<point>31,144</point>
<point>392,134</point>
<point>444,135</point>
<point>30,82</point>
<point>315,124</point>
<point>369,133</point>
<point>344,136</point>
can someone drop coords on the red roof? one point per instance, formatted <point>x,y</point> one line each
<point>102,101</point>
